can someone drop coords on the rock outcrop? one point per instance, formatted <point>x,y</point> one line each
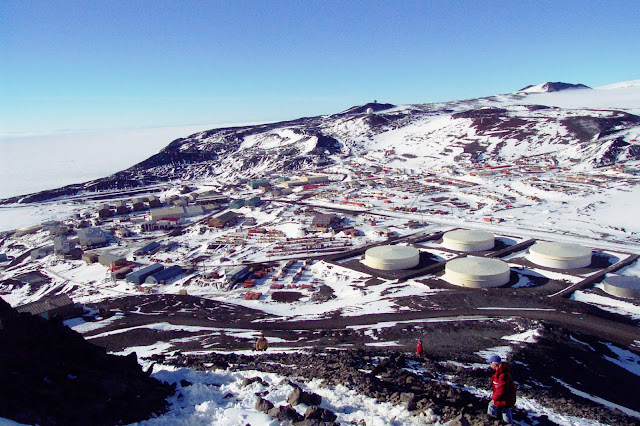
<point>50,375</point>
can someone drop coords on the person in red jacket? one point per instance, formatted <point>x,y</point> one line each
<point>419,350</point>
<point>503,397</point>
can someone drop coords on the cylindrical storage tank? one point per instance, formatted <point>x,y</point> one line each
<point>391,258</point>
<point>477,272</point>
<point>622,286</point>
<point>466,240</point>
<point>560,255</point>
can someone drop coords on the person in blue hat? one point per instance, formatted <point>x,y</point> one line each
<point>503,397</point>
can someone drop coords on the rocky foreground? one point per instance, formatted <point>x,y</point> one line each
<point>49,375</point>
<point>426,386</point>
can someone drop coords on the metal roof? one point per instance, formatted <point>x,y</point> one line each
<point>45,304</point>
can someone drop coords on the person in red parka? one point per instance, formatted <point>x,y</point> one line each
<point>503,397</point>
<point>419,350</point>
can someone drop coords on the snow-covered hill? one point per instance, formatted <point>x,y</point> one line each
<point>580,129</point>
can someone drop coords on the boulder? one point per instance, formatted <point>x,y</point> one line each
<point>263,405</point>
<point>298,396</point>
<point>316,413</point>
<point>285,413</point>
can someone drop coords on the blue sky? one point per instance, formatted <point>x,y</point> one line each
<point>80,65</point>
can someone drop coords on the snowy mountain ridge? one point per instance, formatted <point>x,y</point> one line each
<point>579,129</point>
<point>551,87</point>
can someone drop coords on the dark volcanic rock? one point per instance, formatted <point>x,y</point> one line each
<point>51,376</point>
<point>263,405</point>
<point>298,396</point>
<point>557,86</point>
<point>285,412</point>
<point>316,413</point>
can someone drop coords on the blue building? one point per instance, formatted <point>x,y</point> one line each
<point>150,248</point>
<point>163,276</point>
<point>141,274</point>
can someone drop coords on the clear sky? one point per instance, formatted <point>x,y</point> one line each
<point>115,64</point>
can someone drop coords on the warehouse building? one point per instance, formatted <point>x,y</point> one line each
<point>139,276</point>
<point>314,179</point>
<point>253,202</point>
<point>256,183</point>
<point>59,306</point>
<point>212,200</point>
<point>150,248</point>
<point>111,260</point>
<point>323,222</point>
<point>154,202</point>
<point>161,277</point>
<point>176,211</point>
<point>227,218</point>
<point>91,237</point>
<point>236,274</point>
<point>236,204</point>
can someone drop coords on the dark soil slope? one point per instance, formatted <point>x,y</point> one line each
<point>49,375</point>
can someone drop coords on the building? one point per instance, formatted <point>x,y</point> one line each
<point>121,207</point>
<point>123,232</point>
<point>212,200</point>
<point>293,183</point>
<point>236,204</point>
<point>91,237</point>
<point>29,230</point>
<point>236,274</point>
<point>253,202</point>
<point>323,222</point>
<point>119,272</point>
<point>154,202</point>
<point>150,248</point>
<point>104,211</point>
<point>62,246</point>
<point>160,213</point>
<point>314,179</point>
<point>223,219</point>
<point>41,252</point>
<point>194,210</point>
<point>58,230</point>
<point>60,306</point>
<point>139,276</point>
<point>111,260</point>
<point>90,257</point>
<point>137,204</point>
<point>256,183</point>
<point>161,277</point>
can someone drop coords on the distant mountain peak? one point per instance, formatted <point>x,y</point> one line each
<point>361,109</point>
<point>549,86</point>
